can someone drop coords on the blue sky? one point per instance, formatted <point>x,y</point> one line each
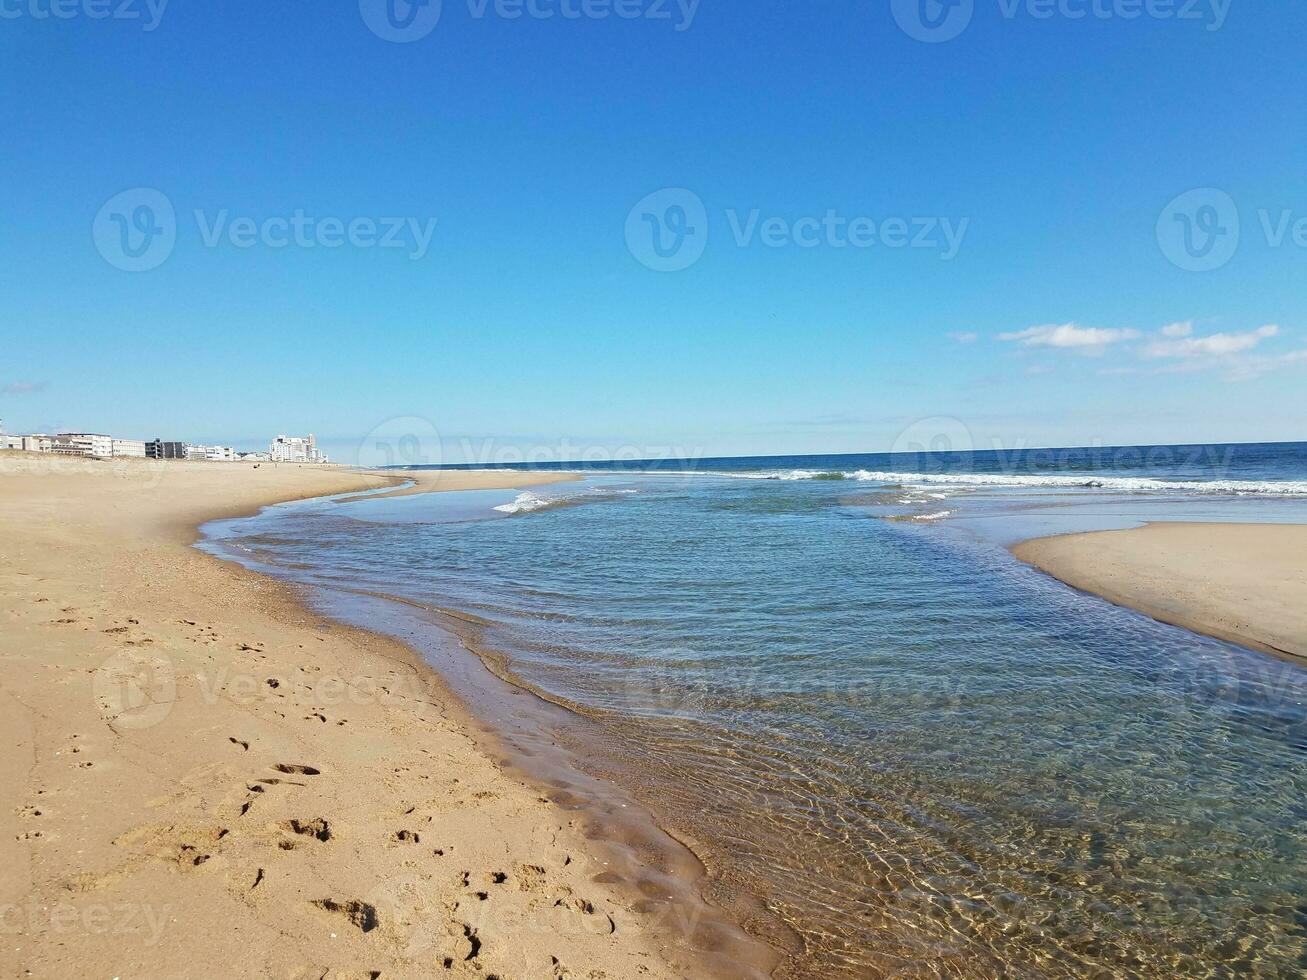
<point>1055,148</point>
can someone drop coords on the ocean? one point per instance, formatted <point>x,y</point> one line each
<point>897,749</point>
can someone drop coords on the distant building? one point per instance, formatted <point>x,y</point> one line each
<point>291,449</point>
<point>215,454</point>
<point>92,444</point>
<point>295,449</point>
<point>129,447</point>
<point>158,449</point>
<point>83,444</point>
<point>30,443</point>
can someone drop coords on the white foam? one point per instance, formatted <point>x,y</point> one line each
<point>781,475</point>
<point>959,481</point>
<point>524,503</point>
<point>938,516</point>
<point>527,502</point>
<point>1287,487</point>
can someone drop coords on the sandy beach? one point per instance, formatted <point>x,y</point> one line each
<point>1246,583</point>
<point>205,778</point>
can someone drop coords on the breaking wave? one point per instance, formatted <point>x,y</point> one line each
<point>525,503</point>
<point>1090,481</point>
<point>528,502</point>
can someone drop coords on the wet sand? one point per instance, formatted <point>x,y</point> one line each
<point>200,770</point>
<point>1245,583</point>
<point>435,481</point>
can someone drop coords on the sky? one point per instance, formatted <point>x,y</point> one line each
<point>505,229</point>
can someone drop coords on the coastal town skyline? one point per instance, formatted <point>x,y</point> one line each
<point>98,445</point>
<point>415,441</point>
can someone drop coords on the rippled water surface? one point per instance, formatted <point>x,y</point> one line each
<point>925,757</point>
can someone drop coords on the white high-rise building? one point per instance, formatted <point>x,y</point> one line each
<point>215,454</point>
<point>295,449</point>
<point>8,441</point>
<point>83,444</point>
<point>28,443</point>
<point>129,447</point>
<point>72,444</point>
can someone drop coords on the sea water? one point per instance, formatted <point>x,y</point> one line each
<point>921,755</point>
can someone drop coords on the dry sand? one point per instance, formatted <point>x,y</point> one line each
<point>1246,583</point>
<point>202,778</point>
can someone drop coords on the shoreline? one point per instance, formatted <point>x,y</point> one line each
<point>152,804</point>
<point>443,481</point>
<point>538,738</point>
<point>1241,583</point>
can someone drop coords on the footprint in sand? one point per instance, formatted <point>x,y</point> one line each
<point>531,877</point>
<point>360,914</point>
<point>185,847</point>
<point>318,828</point>
<point>293,769</point>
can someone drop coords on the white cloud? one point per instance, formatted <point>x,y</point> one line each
<point>964,337</point>
<point>1251,368</point>
<point>22,387</point>
<point>1216,345</point>
<point>1174,348</point>
<point>1070,336</point>
<point>1229,353</point>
